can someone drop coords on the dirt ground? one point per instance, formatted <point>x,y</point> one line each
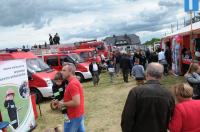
<point>103,105</point>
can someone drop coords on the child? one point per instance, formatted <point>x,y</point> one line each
<point>111,70</point>
<point>58,89</point>
<point>9,104</point>
<point>138,72</point>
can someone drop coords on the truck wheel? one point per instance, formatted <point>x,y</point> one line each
<point>80,77</point>
<point>38,95</point>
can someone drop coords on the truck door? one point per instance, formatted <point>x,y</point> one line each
<point>65,59</point>
<point>53,62</point>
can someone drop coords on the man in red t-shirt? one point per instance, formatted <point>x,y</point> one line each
<point>73,100</point>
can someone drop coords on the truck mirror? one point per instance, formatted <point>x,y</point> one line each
<point>30,77</point>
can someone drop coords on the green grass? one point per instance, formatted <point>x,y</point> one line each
<point>103,104</point>
<point>169,81</point>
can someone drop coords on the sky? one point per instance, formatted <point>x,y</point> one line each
<point>28,22</point>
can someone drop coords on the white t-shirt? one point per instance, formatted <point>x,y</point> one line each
<point>111,70</point>
<point>161,55</point>
<point>95,67</point>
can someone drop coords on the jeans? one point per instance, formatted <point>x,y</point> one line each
<point>117,70</point>
<point>75,125</point>
<point>111,76</point>
<point>95,78</point>
<point>125,74</point>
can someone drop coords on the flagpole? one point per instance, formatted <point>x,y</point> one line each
<point>191,39</point>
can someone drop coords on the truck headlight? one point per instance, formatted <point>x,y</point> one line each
<point>49,82</point>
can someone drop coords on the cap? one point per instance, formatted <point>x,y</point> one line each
<point>10,91</point>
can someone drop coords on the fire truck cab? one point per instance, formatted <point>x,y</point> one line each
<point>40,75</point>
<point>55,61</point>
<point>87,54</point>
<point>100,47</point>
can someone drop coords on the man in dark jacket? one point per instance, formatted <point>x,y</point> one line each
<point>50,39</point>
<point>117,62</point>
<point>149,106</point>
<point>168,56</point>
<point>56,39</point>
<point>147,53</point>
<point>95,71</point>
<point>137,55</point>
<point>153,57</point>
<point>125,65</point>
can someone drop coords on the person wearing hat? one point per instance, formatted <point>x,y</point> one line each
<point>95,71</point>
<point>9,104</point>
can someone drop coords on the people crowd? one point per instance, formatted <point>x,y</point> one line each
<point>150,106</point>
<point>54,40</point>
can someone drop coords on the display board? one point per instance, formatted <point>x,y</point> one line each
<point>15,104</point>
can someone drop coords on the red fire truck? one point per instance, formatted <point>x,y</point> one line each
<point>55,61</point>
<point>99,46</point>
<point>87,54</point>
<point>40,75</point>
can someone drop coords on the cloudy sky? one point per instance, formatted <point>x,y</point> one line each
<point>30,21</point>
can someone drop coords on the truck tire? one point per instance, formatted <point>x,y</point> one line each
<point>38,95</point>
<point>80,77</point>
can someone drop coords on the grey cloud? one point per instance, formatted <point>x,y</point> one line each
<point>39,12</point>
<point>150,20</point>
<point>117,28</point>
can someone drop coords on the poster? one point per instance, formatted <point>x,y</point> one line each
<point>15,100</point>
<point>176,57</point>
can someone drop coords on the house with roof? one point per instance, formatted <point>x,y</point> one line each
<point>124,42</point>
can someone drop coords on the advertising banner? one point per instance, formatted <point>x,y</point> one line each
<point>176,57</point>
<point>15,99</point>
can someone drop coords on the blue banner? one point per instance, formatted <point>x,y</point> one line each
<point>191,5</point>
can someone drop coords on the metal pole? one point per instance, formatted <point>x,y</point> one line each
<point>184,22</point>
<point>171,28</point>
<point>177,25</point>
<point>191,42</point>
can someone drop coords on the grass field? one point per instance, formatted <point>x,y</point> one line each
<point>103,105</point>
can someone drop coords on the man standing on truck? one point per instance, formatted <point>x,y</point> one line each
<point>56,39</point>
<point>50,39</point>
<point>73,100</point>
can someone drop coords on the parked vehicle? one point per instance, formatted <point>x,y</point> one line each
<point>87,54</point>
<point>100,47</point>
<point>55,61</point>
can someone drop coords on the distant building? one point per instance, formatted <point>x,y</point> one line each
<point>124,42</point>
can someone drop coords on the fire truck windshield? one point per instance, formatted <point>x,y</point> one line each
<point>87,54</point>
<point>77,58</point>
<point>37,65</point>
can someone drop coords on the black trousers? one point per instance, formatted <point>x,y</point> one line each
<point>165,68</point>
<point>125,73</point>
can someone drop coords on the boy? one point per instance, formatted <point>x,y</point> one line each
<point>58,89</point>
<point>9,104</point>
<point>138,72</point>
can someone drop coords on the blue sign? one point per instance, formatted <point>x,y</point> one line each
<point>191,5</point>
